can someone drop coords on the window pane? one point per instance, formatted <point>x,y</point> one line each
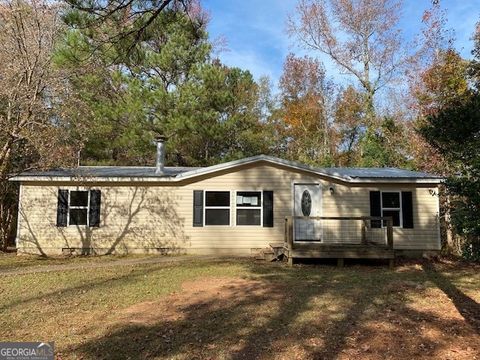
<point>79,198</point>
<point>391,200</point>
<point>78,217</point>
<point>217,198</point>
<point>395,214</point>
<point>217,217</point>
<point>249,198</point>
<point>248,217</point>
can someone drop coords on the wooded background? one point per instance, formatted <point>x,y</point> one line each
<point>93,82</point>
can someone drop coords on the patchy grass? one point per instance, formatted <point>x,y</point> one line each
<point>12,261</point>
<point>242,309</point>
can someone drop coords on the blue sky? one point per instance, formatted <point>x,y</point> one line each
<point>257,41</point>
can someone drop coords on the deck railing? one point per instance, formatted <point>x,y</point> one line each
<point>339,230</point>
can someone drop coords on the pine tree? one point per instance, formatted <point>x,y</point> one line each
<point>168,85</point>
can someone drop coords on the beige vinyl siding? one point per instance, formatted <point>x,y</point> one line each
<point>137,218</point>
<point>355,201</point>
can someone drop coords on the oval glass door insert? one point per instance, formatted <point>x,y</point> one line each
<point>306,203</point>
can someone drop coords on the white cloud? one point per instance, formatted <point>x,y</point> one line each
<point>249,60</point>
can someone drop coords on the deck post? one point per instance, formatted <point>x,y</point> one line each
<point>290,261</point>
<point>390,233</point>
<point>289,238</point>
<point>391,264</point>
<point>290,233</point>
<point>364,232</point>
<point>340,262</point>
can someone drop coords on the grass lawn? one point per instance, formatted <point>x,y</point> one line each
<point>241,309</point>
<point>10,261</point>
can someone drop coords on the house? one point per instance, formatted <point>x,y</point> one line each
<point>231,208</point>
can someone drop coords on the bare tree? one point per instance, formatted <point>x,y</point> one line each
<point>360,36</point>
<point>31,130</point>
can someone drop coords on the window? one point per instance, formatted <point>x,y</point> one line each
<point>217,207</point>
<point>391,206</point>
<point>78,208</point>
<point>249,207</point>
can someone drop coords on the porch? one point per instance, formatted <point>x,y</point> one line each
<point>364,237</point>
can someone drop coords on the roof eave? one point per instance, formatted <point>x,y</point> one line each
<point>25,179</point>
<point>398,181</point>
<point>91,179</point>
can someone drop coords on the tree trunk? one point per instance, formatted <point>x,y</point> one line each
<point>452,243</point>
<point>8,210</point>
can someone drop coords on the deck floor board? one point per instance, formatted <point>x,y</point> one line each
<point>347,251</point>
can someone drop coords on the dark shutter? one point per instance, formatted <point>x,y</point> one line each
<point>407,209</point>
<point>62,208</point>
<point>94,214</point>
<point>375,208</point>
<point>197,207</point>
<point>268,209</point>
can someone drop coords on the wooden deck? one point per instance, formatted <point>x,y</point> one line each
<point>347,251</point>
<point>363,249</point>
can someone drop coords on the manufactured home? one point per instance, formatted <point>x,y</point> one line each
<point>234,208</point>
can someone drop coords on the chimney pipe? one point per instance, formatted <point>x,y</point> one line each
<point>160,164</point>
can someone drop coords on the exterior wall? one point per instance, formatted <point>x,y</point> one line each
<point>139,218</point>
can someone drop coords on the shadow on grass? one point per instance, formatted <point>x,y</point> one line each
<point>466,306</point>
<point>129,278</point>
<point>314,312</point>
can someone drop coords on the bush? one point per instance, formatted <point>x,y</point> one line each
<point>471,250</point>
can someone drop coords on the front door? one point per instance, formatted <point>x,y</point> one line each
<point>307,203</point>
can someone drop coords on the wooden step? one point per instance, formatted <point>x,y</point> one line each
<point>277,244</point>
<point>267,254</point>
<point>270,254</point>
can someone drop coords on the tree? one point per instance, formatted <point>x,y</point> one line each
<point>128,20</point>
<point>168,86</point>
<point>453,130</point>
<point>387,146</point>
<point>350,125</point>
<point>443,81</point>
<point>32,132</point>
<point>361,37</point>
<point>131,98</point>
<point>304,111</point>
<point>224,118</point>
<point>474,68</point>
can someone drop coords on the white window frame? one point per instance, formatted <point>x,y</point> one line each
<point>205,207</point>
<point>79,207</point>
<point>393,209</point>
<point>259,207</point>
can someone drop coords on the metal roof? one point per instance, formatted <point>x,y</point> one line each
<point>110,171</point>
<point>378,173</point>
<point>175,174</point>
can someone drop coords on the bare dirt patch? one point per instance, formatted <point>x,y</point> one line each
<point>202,295</point>
<point>366,328</point>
